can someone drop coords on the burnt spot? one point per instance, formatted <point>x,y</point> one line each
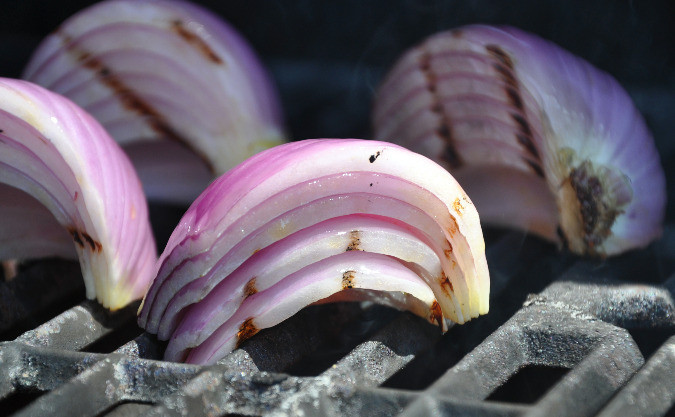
<point>130,100</point>
<point>596,208</point>
<point>445,283</point>
<point>503,65</point>
<point>514,98</point>
<point>371,184</point>
<point>506,74</point>
<point>374,156</point>
<point>498,53</point>
<point>444,129</point>
<point>2,131</point>
<point>354,241</point>
<point>523,126</point>
<point>526,142</point>
<point>194,40</point>
<point>436,315</point>
<point>250,288</point>
<point>451,156</point>
<point>536,168</point>
<point>76,237</point>
<point>83,239</point>
<point>348,279</point>
<point>246,331</point>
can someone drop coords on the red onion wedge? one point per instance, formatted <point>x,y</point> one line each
<point>300,222</point>
<point>539,138</point>
<point>63,179</point>
<point>177,87</point>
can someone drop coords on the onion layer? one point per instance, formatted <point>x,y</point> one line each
<point>300,222</point>
<point>157,71</point>
<point>528,127</point>
<point>63,179</point>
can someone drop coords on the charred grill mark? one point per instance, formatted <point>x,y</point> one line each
<point>536,168</point>
<point>514,98</point>
<point>76,237</point>
<point>246,331</point>
<point>250,288</point>
<point>354,241</point>
<point>526,142</point>
<point>522,124</point>
<point>503,65</point>
<point>444,130</point>
<point>374,156</point>
<point>436,315</point>
<point>445,283</point>
<point>597,212</point>
<point>194,40</point>
<point>83,239</point>
<point>348,279</point>
<point>500,55</point>
<point>129,99</point>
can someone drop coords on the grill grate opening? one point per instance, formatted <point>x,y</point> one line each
<point>119,336</point>
<point>19,399</point>
<point>649,340</point>
<point>529,384</point>
<point>40,291</point>
<point>428,366</point>
<point>337,344</point>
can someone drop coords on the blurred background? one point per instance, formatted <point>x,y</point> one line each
<point>328,57</point>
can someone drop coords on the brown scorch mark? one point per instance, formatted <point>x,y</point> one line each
<point>129,99</point>
<point>354,241</point>
<point>348,279</point>
<point>193,39</point>
<point>503,65</point>
<point>436,313</point>
<point>246,331</point>
<point>83,239</point>
<point>250,288</point>
<point>445,283</point>
<point>443,130</point>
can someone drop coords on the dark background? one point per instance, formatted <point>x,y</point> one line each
<point>327,57</point>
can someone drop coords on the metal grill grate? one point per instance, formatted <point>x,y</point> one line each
<point>575,337</point>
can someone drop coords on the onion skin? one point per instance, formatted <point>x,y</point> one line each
<point>498,105</point>
<point>63,179</point>
<point>368,211</point>
<point>177,87</point>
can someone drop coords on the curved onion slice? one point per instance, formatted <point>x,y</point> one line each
<point>164,77</point>
<point>300,222</point>
<point>539,138</point>
<point>63,179</point>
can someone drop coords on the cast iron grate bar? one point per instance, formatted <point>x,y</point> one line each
<point>579,322</point>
